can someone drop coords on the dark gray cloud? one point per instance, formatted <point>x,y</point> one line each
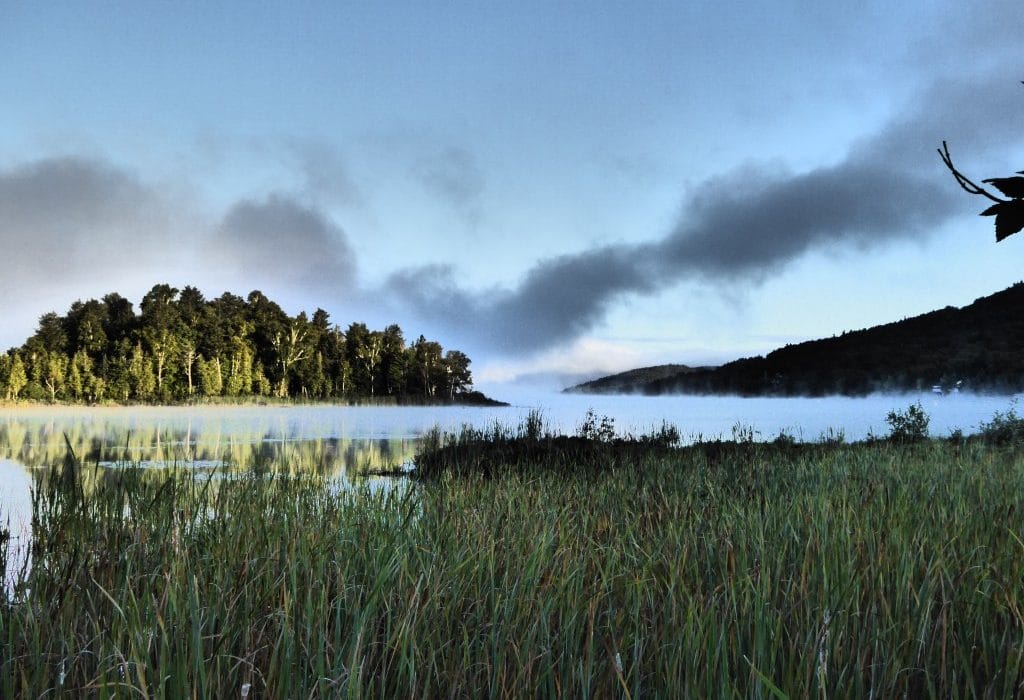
<point>86,218</point>
<point>75,227</point>
<point>278,239</point>
<point>751,223</point>
<point>746,224</point>
<point>72,214</point>
<point>557,301</point>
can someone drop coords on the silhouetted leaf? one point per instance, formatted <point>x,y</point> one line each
<point>1008,224</point>
<point>1010,186</point>
<point>1009,219</point>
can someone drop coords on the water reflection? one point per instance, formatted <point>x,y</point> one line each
<point>15,523</point>
<point>34,444</point>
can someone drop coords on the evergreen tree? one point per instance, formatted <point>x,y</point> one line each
<point>393,360</point>
<point>181,344</point>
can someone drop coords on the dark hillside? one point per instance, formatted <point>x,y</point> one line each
<point>625,382</point>
<point>979,345</point>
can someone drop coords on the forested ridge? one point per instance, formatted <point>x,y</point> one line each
<point>977,347</point>
<point>182,346</point>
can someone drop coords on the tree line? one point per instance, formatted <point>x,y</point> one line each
<point>976,347</point>
<point>182,346</point>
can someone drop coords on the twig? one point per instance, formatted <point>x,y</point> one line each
<point>965,183</point>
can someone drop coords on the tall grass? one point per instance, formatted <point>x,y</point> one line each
<point>877,570</point>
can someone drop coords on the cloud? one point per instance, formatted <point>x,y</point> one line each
<point>452,174</point>
<point>557,301</point>
<point>73,227</point>
<point>87,219</point>
<point>324,173</point>
<point>72,214</point>
<point>742,226</point>
<point>751,224</point>
<point>279,239</point>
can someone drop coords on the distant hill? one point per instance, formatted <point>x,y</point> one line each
<point>980,346</point>
<point>626,382</point>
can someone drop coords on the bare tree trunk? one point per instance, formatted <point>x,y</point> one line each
<point>189,358</point>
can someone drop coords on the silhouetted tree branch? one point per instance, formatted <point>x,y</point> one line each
<point>1009,213</point>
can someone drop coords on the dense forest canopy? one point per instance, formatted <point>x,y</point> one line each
<point>182,346</point>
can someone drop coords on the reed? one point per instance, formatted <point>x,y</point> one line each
<point>751,570</point>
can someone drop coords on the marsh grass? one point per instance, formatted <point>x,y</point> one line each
<point>739,570</point>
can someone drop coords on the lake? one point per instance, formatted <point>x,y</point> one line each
<point>340,441</point>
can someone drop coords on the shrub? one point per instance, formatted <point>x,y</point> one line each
<point>1004,428</point>
<point>785,439</point>
<point>908,426</point>
<point>593,428</point>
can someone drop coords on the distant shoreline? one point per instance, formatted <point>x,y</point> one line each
<point>474,399</point>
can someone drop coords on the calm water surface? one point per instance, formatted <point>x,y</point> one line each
<point>341,441</point>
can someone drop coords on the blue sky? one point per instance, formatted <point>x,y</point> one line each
<point>553,187</point>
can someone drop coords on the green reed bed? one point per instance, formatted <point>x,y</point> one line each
<point>743,571</point>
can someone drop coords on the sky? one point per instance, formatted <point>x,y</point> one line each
<point>560,189</point>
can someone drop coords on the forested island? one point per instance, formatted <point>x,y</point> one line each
<point>183,347</point>
<point>977,347</point>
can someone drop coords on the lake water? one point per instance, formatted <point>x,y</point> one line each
<point>340,441</point>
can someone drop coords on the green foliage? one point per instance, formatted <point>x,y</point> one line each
<point>1004,428</point>
<point>785,439</point>
<point>908,426</point>
<point>595,447</point>
<point>183,346</point>
<point>16,378</point>
<point>855,571</point>
<point>211,381</point>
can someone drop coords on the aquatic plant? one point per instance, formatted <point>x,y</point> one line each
<point>719,569</point>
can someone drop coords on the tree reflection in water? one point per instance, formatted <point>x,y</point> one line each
<point>35,444</point>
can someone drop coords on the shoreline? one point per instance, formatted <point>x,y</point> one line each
<point>475,400</point>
